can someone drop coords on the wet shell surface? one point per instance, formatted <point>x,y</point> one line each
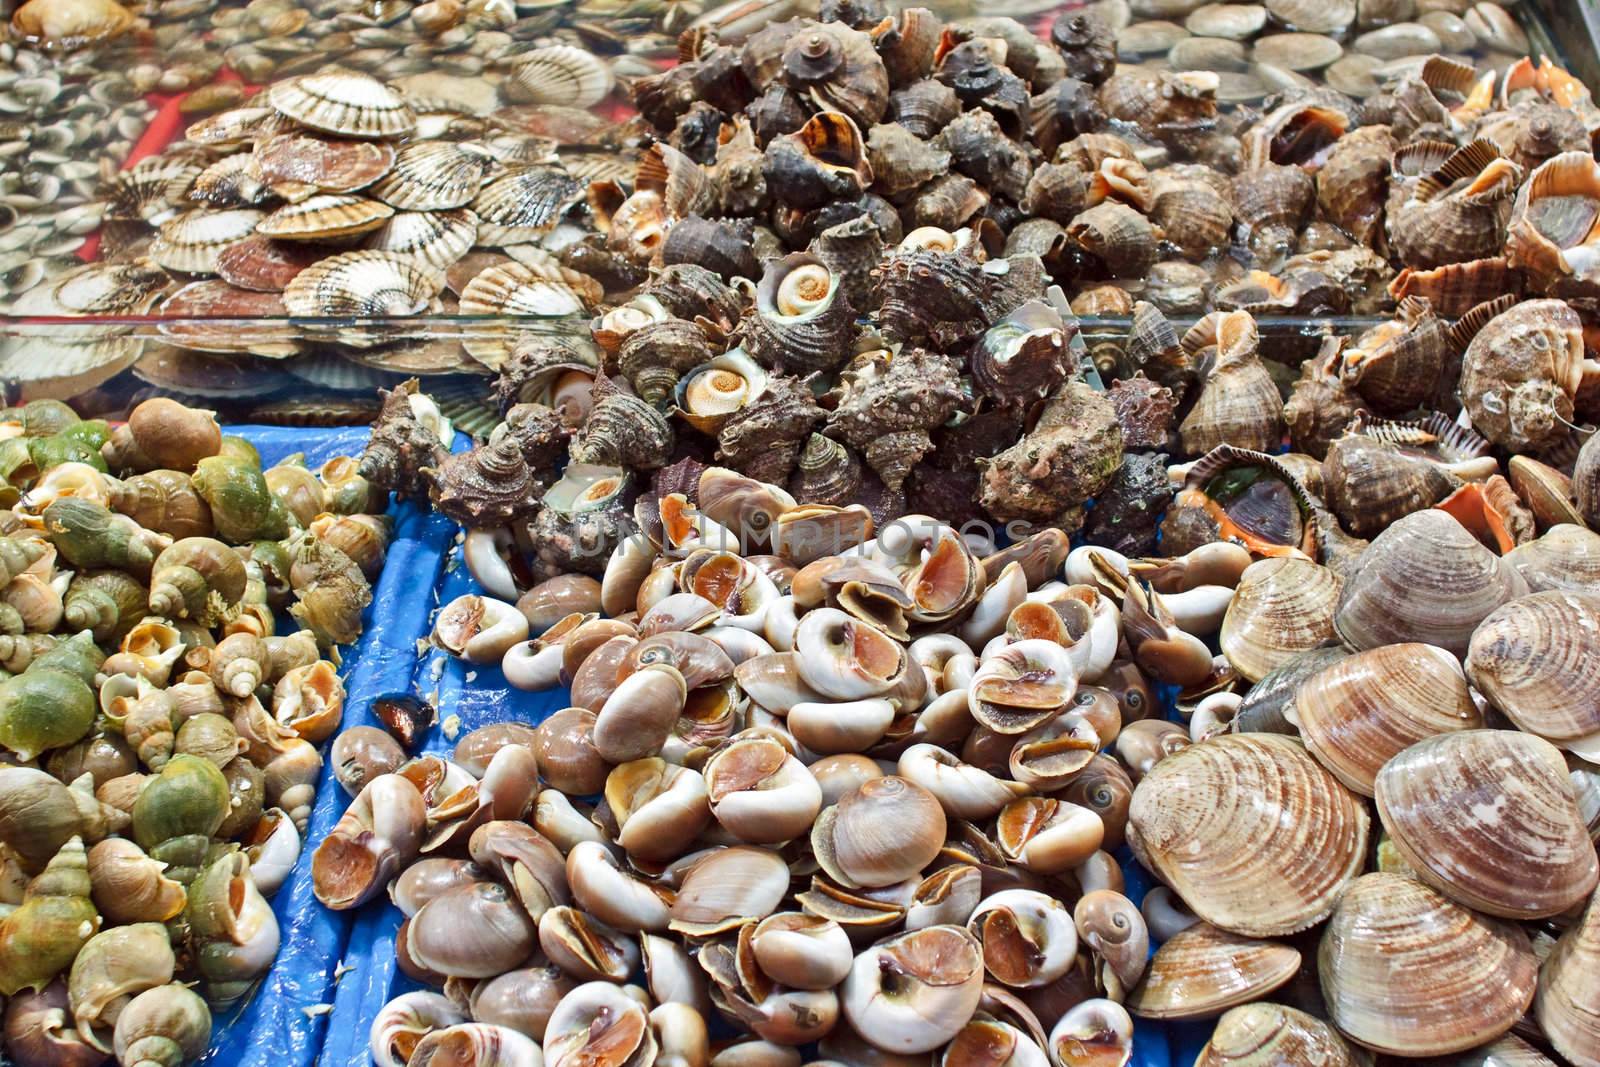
<point>1536,659</point>
<point>192,242</point>
<point>436,238</point>
<point>1203,970</point>
<point>1567,1005</point>
<point>333,166</point>
<point>1265,1035</point>
<point>524,204</point>
<point>434,176</point>
<point>1281,608</point>
<point>1250,831</point>
<point>325,217</point>
<point>344,102</point>
<point>360,283</point>
<point>263,264</point>
<point>559,74</point>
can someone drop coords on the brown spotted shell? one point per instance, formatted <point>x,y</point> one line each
<point>1369,484</point>
<point>903,398</point>
<point>1250,832</point>
<point>1397,367</point>
<point>1072,454</point>
<point>1280,608</point>
<point>622,431</point>
<point>1353,183</point>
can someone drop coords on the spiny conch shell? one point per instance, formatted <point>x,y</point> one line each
<point>1520,374</point>
<point>850,251</point>
<point>1400,365</point>
<point>524,204</point>
<point>1409,972</point>
<point>1513,844</point>
<point>1568,999</point>
<point>824,160</point>
<point>927,294</point>
<point>1262,1034</point>
<point>1427,579</point>
<point>1022,357</point>
<point>435,238</point>
<point>1458,211</point>
<point>1370,483</point>
<point>1282,607</point>
<point>1566,557</point>
<point>192,242</point>
<point>1534,658</point>
<point>653,358</point>
<point>1239,404</point>
<point>622,431</point>
<point>838,68</point>
<point>1250,831</point>
<point>360,283</point>
<point>488,486</point>
<point>324,217</point>
<point>719,245</point>
<point>1073,453</point>
<point>1203,970</point>
<point>343,102</point>
<point>1353,182</point>
<point>559,74</point>
<point>801,322</point>
<point>888,405</point>
<point>1552,230</point>
<point>1320,405</point>
<point>901,161</point>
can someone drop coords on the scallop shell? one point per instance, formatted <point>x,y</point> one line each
<point>515,289</point>
<point>377,284</point>
<point>559,74</point>
<point>192,242</point>
<point>1425,578</point>
<point>1203,970</point>
<point>437,238</point>
<point>434,176</point>
<point>524,204</point>
<point>1358,713</point>
<point>345,102</point>
<point>1250,832</point>
<point>232,181</point>
<point>217,299</point>
<point>265,265</point>
<point>1407,971</point>
<point>1488,818</point>
<point>332,166</point>
<point>1266,1035</point>
<point>150,188</point>
<point>325,217</point>
<point>1567,1004</point>
<point>1520,373</point>
<point>1281,607</point>
<point>1536,659</point>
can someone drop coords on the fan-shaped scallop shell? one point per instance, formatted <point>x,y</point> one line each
<point>1250,832</point>
<point>1567,1005</point>
<point>333,166</point>
<point>360,283</point>
<point>437,238</point>
<point>1356,714</point>
<point>1203,970</point>
<point>325,217</point>
<point>343,102</point>
<point>232,181</point>
<point>559,74</point>
<point>150,187</point>
<point>524,204</point>
<point>263,264</point>
<point>434,176</point>
<point>1488,818</point>
<point>1406,970</point>
<point>1537,660</point>
<point>1281,607</point>
<point>516,289</point>
<point>213,298</point>
<point>192,242</point>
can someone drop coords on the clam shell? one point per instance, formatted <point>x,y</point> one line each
<point>434,176</point>
<point>1426,578</point>
<point>559,74</point>
<point>1250,831</point>
<point>1354,715</point>
<point>1566,557</point>
<point>192,242</point>
<point>1537,659</point>
<point>1203,970</point>
<point>343,102</point>
<point>437,238</point>
<point>360,283</point>
<point>324,217</point>
<point>1313,16</point>
<point>1567,1005</point>
<point>1267,1035</point>
<point>1281,608</point>
<point>1236,22</point>
<point>1488,818</point>
<point>1297,51</point>
<point>1410,972</point>
<point>263,264</point>
<point>330,165</point>
<point>524,204</point>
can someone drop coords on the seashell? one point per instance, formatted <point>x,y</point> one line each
<point>1268,1033</point>
<point>1072,454</point>
<point>324,217</point>
<point>559,74</point>
<point>1396,367</point>
<point>524,204</point>
<point>1163,105</point>
<point>824,160</point>
<point>837,68</point>
<point>1295,811</point>
<point>377,284</point>
<point>1457,211</point>
<point>232,181</point>
<point>193,241</point>
<point>1548,231</point>
<point>1022,357</point>
<point>940,973</point>
<point>1520,373</point>
<point>1566,992</point>
<point>1427,579</point>
<point>1238,404</point>
<point>377,836</point>
<point>1305,16</point>
<point>924,107</point>
<point>1456,288</point>
<point>340,101</point>
<point>263,265</point>
<point>1528,659</point>
<point>1396,948</point>
<point>1202,970</point>
<point>1282,607</point>
<point>1566,558</point>
<point>762,439</point>
<point>437,239</point>
<point>55,919</point>
<point>434,176</point>
<point>1519,850</point>
<point>1118,235</point>
<point>169,1022</point>
<point>1191,217</point>
<point>718,245</point>
<point>1370,484</point>
<point>324,164</point>
<point>150,188</point>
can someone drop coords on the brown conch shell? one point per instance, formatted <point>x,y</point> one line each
<point>1250,832</point>
<point>1354,715</point>
<point>1555,226</point>
<point>1488,818</point>
<point>1353,182</point>
<point>1456,288</point>
<point>1536,660</point>
<point>1265,1035</point>
<point>1458,211</point>
<point>1239,404</point>
<point>1409,972</point>
<point>1520,374</point>
<point>887,407</point>
<point>1203,970</point>
<point>1567,1004</point>
<point>1398,366</point>
<point>1321,405</point>
<point>1369,483</point>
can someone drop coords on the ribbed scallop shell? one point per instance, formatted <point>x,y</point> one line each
<point>1426,578</point>
<point>344,102</point>
<point>360,283</point>
<point>333,166</point>
<point>516,289</point>
<point>149,188</point>
<point>263,264</point>
<point>1250,832</point>
<point>437,238</point>
<point>1488,818</point>
<point>1203,970</point>
<point>232,181</point>
<point>213,298</point>
<point>1568,1001</point>
<point>192,241</point>
<point>324,217</point>
<point>1359,712</point>
<point>1274,1035</point>
<point>520,206</point>
<point>1281,608</point>
<point>434,176</point>
<point>1537,659</point>
<point>559,74</point>
<point>1408,971</point>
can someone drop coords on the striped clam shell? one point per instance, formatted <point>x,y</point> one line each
<point>360,283</point>
<point>524,204</point>
<point>333,166</point>
<point>344,102</point>
<point>325,216</point>
<point>192,241</point>
<point>437,238</point>
<point>559,74</point>
<point>435,176</point>
<point>232,181</point>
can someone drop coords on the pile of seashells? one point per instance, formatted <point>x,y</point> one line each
<point>158,737</point>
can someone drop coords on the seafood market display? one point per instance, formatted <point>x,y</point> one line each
<point>160,736</point>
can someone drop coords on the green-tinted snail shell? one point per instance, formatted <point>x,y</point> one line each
<point>17,554</point>
<point>296,488</point>
<point>164,1027</point>
<point>198,578</point>
<point>77,655</point>
<point>189,796</point>
<point>40,939</point>
<point>90,535</point>
<point>242,506</point>
<point>42,709</point>
<point>107,603</point>
<point>113,967</point>
<point>232,929</point>
<point>38,814</point>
